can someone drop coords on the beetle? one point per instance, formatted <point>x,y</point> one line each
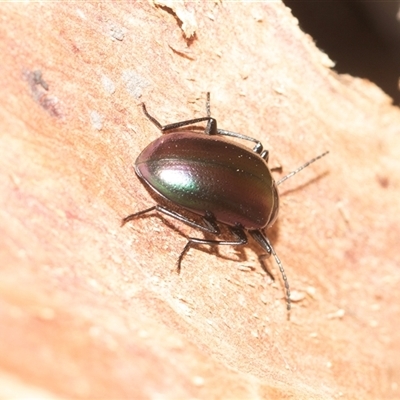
<point>223,182</point>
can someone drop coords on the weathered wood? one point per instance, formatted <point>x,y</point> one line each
<point>89,309</point>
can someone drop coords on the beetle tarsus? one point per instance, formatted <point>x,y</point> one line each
<point>151,118</point>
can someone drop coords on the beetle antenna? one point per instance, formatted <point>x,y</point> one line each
<point>300,168</point>
<point>284,277</point>
<point>266,245</point>
<point>208,106</point>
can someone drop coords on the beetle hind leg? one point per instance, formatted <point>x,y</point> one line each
<point>237,232</point>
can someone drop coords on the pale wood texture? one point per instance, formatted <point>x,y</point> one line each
<point>89,309</point>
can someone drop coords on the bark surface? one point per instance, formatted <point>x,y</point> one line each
<point>89,309</point>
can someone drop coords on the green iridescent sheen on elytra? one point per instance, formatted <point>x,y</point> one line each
<point>210,173</point>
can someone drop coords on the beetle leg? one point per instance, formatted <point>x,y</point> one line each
<point>262,257</point>
<point>133,216</point>
<point>265,155</point>
<point>211,125</point>
<point>257,148</point>
<point>238,232</point>
<point>263,241</point>
<point>210,226</point>
<point>211,128</point>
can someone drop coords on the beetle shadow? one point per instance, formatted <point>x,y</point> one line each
<point>239,254</point>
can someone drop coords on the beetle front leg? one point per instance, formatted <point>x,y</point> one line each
<point>211,125</point>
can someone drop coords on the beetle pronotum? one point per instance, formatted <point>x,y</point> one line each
<point>218,179</point>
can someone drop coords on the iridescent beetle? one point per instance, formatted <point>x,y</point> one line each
<point>215,178</point>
